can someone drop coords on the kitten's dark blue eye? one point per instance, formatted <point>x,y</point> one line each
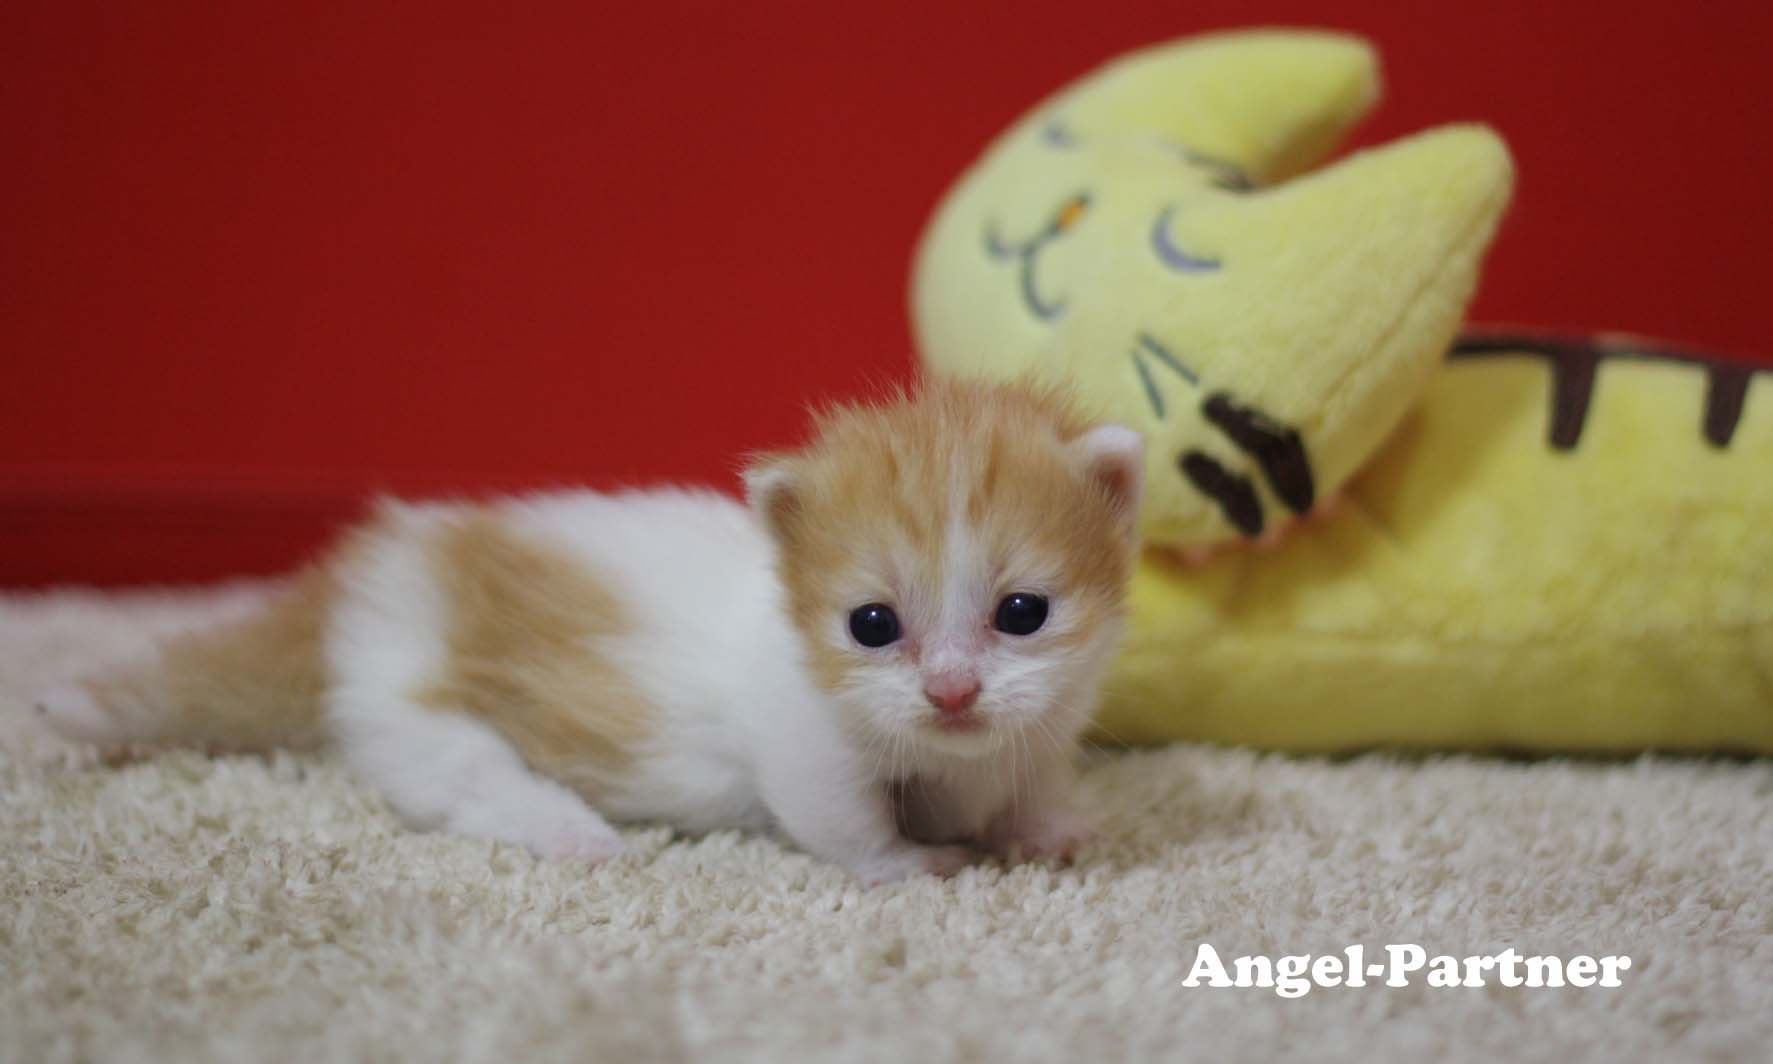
<point>1021,614</point>
<point>874,625</point>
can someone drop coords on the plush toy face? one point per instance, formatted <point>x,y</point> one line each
<point>1142,235</point>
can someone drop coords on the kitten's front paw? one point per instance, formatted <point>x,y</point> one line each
<point>592,845</point>
<point>71,712</point>
<point>1057,835</point>
<point>906,861</point>
<point>553,826</point>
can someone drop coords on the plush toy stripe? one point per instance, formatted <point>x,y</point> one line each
<point>1575,360</point>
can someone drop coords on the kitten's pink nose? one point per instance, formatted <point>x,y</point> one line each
<point>952,694</point>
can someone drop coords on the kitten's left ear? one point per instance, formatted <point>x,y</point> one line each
<point>1113,456</point>
<point>771,487</point>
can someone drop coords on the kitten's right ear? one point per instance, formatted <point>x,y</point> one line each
<point>1113,456</point>
<point>772,488</point>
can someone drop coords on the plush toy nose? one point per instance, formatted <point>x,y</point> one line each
<point>953,695</point>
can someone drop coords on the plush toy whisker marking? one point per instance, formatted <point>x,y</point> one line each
<point>1151,392</point>
<point>1574,363</point>
<point>1164,355</point>
<point>1148,345</point>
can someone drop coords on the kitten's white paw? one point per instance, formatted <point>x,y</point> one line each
<point>70,711</point>
<point>552,824</point>
<point>590,844</point>
<point>906,861</point>
<point>1059,834</point>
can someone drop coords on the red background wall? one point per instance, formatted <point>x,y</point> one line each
<point>259,259</point>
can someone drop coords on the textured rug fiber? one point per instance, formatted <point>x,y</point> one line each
<point>183,908</point>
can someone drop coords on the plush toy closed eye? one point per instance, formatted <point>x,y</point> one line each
<point>1542,544</point>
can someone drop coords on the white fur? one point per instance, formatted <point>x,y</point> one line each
<point>743,738</point>
<point>437,769</point>
<point>70,710</point>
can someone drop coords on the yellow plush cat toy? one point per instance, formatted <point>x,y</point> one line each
<point>1549,545</point>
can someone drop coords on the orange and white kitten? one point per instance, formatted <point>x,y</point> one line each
<point>888,654</point>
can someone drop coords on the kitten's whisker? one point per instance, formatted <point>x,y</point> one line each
<point>1095,723</point>
<point>1090,722</point>
<point>1052,738</point>
<point>1027,750</point>
<point>877,744</point>
<point>1093,745</point>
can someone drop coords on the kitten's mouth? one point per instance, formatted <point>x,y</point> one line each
<point>963,735</point>
<point>959,724</point>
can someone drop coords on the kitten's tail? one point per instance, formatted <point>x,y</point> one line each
<point>251,685</point>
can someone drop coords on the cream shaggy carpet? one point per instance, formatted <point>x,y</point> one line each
<point>180,908</point>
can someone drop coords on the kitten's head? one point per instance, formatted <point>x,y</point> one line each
<point>956,560</point>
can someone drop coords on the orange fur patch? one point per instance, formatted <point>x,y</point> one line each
<point>523,632</point>
<point>253,685</point>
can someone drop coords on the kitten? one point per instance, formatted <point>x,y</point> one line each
<point>888,654</point>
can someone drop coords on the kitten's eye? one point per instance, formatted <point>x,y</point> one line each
<point>874,625</point>
<point>1021,614</point>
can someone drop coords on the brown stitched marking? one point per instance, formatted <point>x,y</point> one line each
<point>1277,448</point>
<point>1572,390</point>
<point>1725,392</point>
<point>1574,362</point>
<point>1235,495</point>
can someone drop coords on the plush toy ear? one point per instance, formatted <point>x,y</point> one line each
<point>1274,102</point>
<point>1113,456</point>
<point>772,488</point>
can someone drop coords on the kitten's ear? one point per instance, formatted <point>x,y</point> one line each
<point>1113,456</point>
<point>772,488</point>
